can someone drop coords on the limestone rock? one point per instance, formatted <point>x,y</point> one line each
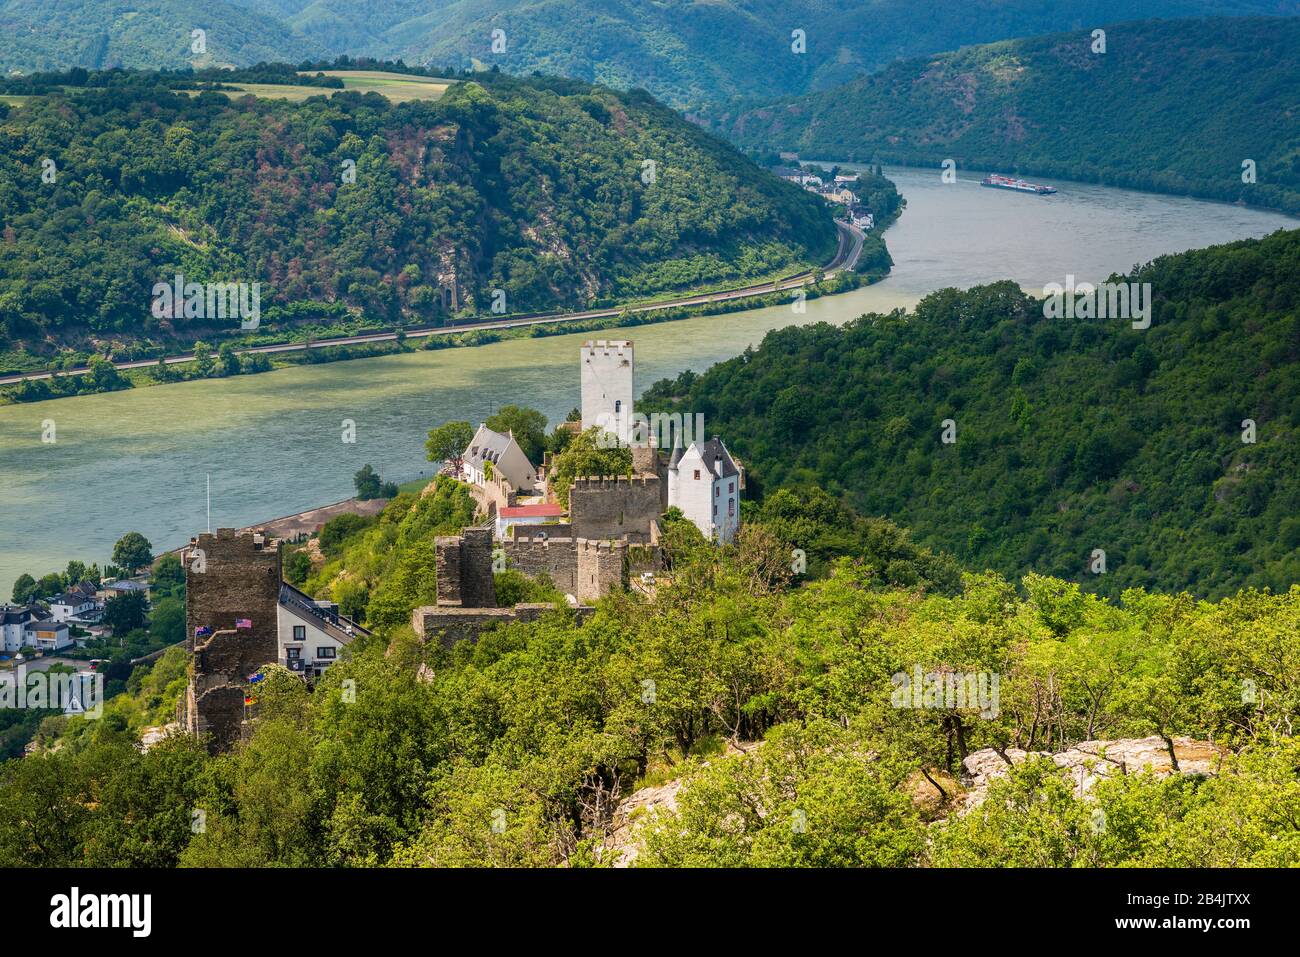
<point>1090,761</point>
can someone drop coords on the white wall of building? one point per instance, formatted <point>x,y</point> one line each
<point>608,368</point>
<point>61,612</point>
<point>710,502</point>
<point>13,638</point>
<point>308,640</point>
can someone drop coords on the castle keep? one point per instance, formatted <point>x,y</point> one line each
<point>466,593</point>
<point>615,506</point>
<point>464,569</point>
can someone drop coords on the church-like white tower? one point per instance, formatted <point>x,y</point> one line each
<point>607,368</point>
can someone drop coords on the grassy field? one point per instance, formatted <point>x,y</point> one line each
<point>415,487</point>
<point>396,86</point>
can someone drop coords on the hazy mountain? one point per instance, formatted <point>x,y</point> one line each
<point>56,34</point>
<point>684,51</point>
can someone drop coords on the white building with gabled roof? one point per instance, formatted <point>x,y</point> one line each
<point>311,634</point>
<point>498,454</point>
<point>705,482</point>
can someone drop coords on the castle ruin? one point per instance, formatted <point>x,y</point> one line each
<point>232,590</point>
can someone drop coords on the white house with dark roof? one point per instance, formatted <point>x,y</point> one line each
<point>705,483</point>
<point>30,626</point>
<point>77,604</point>
<point>13,621</point>
<point>503,454</point>
<point>311,633</point>
<point>47,635</point>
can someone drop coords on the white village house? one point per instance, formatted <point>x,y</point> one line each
<point>497,454</point>
<point>77,604</point>
<point>310,633</point>
<point>29,626</point>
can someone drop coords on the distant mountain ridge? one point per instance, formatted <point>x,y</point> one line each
<point>685,52</point>
<point>1171,106</point>
<point>95,34</point>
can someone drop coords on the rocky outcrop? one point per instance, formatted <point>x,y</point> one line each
<point>643,806</point>
<point>1089,761</point>
<point>153,736</point>
<point>647,803</point>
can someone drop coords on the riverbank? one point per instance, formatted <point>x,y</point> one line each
<point>836,276</point>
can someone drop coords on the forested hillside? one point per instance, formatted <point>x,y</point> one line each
<point>552,191</point>
<point>519,750</point>
<point>766,698</point>
<point>57,34</point>
<point>683,51</point>
<point>1174,106</point>
<point>1071,435</point>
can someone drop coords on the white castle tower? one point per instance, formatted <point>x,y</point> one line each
<point>607,367</point>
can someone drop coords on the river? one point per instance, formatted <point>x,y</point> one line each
<point>139,460</point>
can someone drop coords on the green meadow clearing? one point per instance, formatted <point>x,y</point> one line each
<point>398,87</point>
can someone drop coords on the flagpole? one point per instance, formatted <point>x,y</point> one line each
<point>209,503</point>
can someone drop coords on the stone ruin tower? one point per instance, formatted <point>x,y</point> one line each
<point>607,370</point>
<point>464,568</point>
<point>232,590</point>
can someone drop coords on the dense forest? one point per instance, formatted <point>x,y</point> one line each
<point>771,699</point>
<point>1068,435</point>
<point>685,52</point>
<point>56,34</point>
<point>554,192</point>
<point>1171,106</point>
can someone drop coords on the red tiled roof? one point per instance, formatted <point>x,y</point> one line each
<point>531,511</point>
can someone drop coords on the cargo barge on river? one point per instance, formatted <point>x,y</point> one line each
<point>1019,185</point>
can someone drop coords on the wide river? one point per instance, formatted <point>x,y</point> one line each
<point>272,443</point>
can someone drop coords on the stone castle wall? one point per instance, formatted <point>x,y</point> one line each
<point>464,569</point>
<point>602,568</point>
<point>615,506</point>
<point>551,556</point>
<point>228,576</point>
<point>450,625</point>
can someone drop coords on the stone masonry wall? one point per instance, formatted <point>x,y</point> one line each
<point>602,568</point>
<point>464,568</point>
<point>228,576</point>
<point>615,506</point>
<point>555,557</point>
<point>450,625</point>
